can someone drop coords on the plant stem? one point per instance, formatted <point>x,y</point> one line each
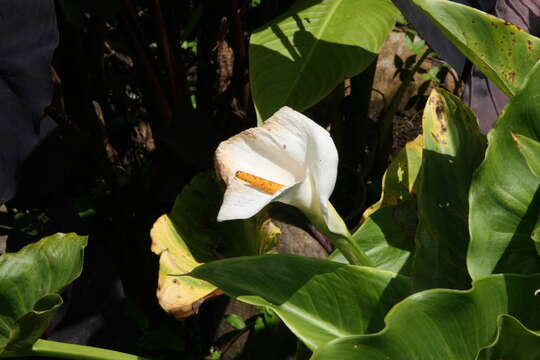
<point>73,351</point>
<point>340,236</point>
<point>349,249</point>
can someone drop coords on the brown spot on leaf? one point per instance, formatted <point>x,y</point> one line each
<point>529,45</point>
<point>494,24</point>
<point>436,137</point>
<point>513,26</point>
<point>439,107</point>
<point>444,129</point>
<point>511,76</point>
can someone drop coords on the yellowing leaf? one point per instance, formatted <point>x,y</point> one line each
<point>190,236</point>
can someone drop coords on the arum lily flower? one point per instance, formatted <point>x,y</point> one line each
<point>289,159</point>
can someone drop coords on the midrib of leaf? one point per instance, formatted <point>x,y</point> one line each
<point>314,321</point>
<point>322,28</point>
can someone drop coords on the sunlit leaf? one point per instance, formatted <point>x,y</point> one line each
<point>301,56</point>
<point>502,51</point>
<point>447,324</point>
<point>400,181</point>
<point>504,197</point>
<point>453,149</point>
<point>31,281</point>
<point>388,228</point>
<point>387,237</point>
<point>319,300</point>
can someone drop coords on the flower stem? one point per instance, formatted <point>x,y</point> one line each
<point>334,228</point>
<point>351,251</point>
<point>73,351</point>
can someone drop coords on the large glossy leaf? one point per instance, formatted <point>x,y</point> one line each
<point>30,283</point>
<point>453,149</point>
<point>319,300</point>
<point>445,324</point>
<point>301,56</point>
<point>502,51</point>
<point>514,341</point>
<point>388,228</point>
<point>190,235</point>
<point>504,198</point>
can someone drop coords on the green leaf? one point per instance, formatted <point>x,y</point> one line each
<point>400,181</point>
<point>235,321</point>
<point>530,149</point>
<point>30,283</point>
<point>502,51</point>
<point>387,237</point>
<point>319,300</point>
<point>387,232</point>
<point>514,341</point>
<point>445,324</point>
<point>453,149</point>
<point>504,198</point>
<point>301,56</point>
<point>190,235</point>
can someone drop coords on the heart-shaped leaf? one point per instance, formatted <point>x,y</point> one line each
<point>319,300</point>
<point>301,56</point>
<point>30,283</point>
<point>504,198</point>
<point>446,324</point>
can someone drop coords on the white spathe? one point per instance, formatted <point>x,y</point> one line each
<point>289,149</point>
